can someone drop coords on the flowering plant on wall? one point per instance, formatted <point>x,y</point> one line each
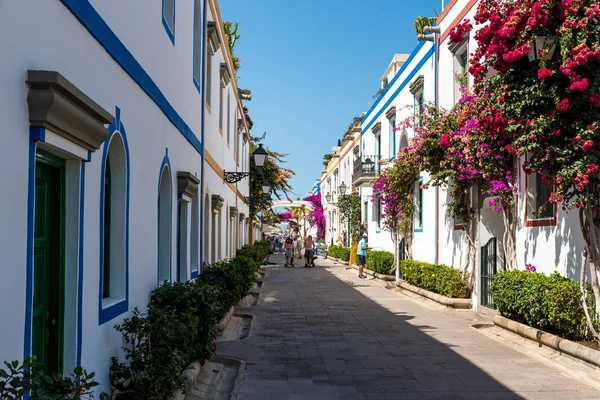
<point>317,216</point>
<point>546,56</point>
<point>395,188</point>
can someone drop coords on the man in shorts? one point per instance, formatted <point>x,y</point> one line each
<point>289,252</point>
<point>308,251</point>
<point>361,252</point>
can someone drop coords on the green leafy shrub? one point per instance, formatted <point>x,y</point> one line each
<point>29,376</point>
<point>343,253</point>
<point>332,251</point>
<point>551,303</point>
<point>179,328</point>
<point>233,281</point>
<point>257,252</point>
<point>380,261</point>
<point>440,279</point>
<point>265,248</point>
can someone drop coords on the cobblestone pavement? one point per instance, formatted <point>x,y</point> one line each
<point>322,333</point>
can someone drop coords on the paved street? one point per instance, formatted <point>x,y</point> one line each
<point>322,333</point>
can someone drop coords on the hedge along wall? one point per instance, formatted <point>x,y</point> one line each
<point>551,303</point>
<point>380,261</point>
<point>343,253</point>
<point>440,279</point>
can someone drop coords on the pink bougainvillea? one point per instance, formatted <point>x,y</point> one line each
<point>317,216</point>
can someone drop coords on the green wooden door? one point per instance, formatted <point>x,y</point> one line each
<point>48,271</point>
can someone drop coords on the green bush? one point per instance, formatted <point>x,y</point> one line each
<point>380,261</point>
<point>441,279</point>
<point>343,253</point>
<point>233,279</point>
<point>179,327</point>
<point>265,248</point>
<point>30,377</point>
<point>551,303</point>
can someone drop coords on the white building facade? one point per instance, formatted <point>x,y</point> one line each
<point>114,158</point>
<point>338,173</point>
<point>408,89</point>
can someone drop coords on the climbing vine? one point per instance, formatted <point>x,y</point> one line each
<point>349,206</point>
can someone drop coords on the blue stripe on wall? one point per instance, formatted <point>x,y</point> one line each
<point>390,84</point>
<point>97,27</point>
<point>399,89</point>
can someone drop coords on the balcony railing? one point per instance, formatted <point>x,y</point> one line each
<point>365,168</point>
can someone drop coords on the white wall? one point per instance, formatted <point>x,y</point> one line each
<point>56,40</point>
<point>398,95</point>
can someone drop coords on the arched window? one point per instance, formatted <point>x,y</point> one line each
<point>164,225</point>
<point>403,139</point>
<point>113,240</point>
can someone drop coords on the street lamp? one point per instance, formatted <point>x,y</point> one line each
<point>328,197</point>
<point>537,48</point>
<point>343,188</point>
<point>259,156</point>
<point>266,188</point>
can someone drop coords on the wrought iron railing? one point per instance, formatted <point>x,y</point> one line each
<point>366,167</point>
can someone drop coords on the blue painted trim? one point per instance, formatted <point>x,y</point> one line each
<point>420,178</point>
<point>99,29</point>
<point>37,133</point>
<point>170,33</point>
<point>166,163</point>
<point>202,95</point>
<point>34,136</point>
<point>80,272</point>
<point>394,79</point>
<point>109,313</point>
<point>399,89</point>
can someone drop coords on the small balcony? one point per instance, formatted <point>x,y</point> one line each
<point>365,169</point>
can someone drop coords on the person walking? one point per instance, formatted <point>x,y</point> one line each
<point>361,252</point>
<point>289,252</point>
<point>308,251</point>
<point>299,246</point>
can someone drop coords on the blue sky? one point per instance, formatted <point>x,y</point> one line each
<point>313,65</point>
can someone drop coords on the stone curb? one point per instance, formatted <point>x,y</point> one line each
<point>383,277</point>
<point>463,304</point>
<point>337,260</point>
<point>568,347</point>
<point>223,323</point>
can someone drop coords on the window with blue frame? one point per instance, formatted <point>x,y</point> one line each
<point>168,18</point>
<point>392,128</point>
<point>418,202</point>
<point>416,89</point>
<point>197,41</point>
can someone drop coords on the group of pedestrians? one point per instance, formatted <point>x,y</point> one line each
<point>292,248</point>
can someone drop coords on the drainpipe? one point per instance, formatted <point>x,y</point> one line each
<point>201,191</point>
<point>437,189</point>
<point>430,34</point>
